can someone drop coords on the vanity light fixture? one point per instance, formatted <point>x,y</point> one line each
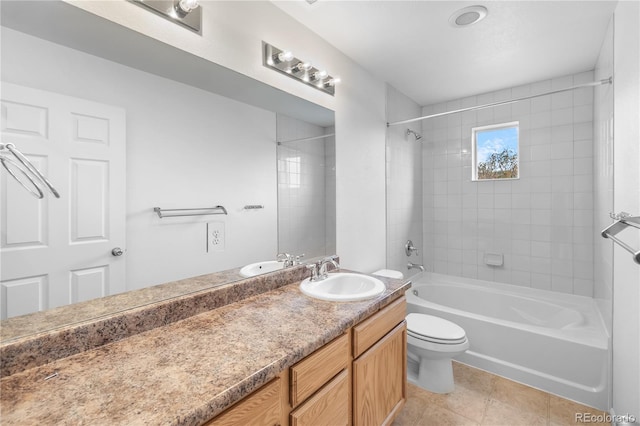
<point>285,62</point>
<point>187,13</point>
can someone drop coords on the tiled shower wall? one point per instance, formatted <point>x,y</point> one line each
<point>542,223</point>
<point>404,184</point>
<point>306,189</point>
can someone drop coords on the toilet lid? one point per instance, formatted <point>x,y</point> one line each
<point>439,330</point>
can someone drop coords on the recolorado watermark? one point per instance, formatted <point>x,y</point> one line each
<point>605,418</point>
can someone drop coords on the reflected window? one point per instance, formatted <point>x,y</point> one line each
<point>495,152</point>
<point>292,171</point>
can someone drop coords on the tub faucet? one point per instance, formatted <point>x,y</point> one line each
<point>415,266</point>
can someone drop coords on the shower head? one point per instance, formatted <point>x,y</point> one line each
<point>415,134</point>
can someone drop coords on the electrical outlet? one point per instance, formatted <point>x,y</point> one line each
<point>215,236</point>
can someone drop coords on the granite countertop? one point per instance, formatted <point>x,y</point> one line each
<point>186,372</point>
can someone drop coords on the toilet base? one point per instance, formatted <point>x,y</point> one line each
<point>434,375</point>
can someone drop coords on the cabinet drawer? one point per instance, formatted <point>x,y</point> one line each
<point>373,329</point>
<point>328,407</point>
<point>263,407</point>
<point>314,371</point>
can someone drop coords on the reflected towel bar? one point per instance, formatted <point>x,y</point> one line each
<point>623,220</point>
<point>189,212</point>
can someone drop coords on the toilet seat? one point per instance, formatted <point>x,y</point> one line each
<point>434,329</point>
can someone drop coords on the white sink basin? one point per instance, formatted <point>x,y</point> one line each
<point>343,287</point>
<point>258,268</point>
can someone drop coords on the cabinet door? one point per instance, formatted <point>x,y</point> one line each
<point>328,407</point>
<point>379,380</point>
<point>262,408</point>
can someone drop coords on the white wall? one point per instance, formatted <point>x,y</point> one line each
<point>404,184</point>
<point>626,273</point>
<point>542,222</point>
<point>232,35</point>
<point>185,148</point>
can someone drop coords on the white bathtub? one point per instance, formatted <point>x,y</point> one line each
<point>551,341</point>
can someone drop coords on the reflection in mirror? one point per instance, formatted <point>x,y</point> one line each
<point>180,144</point>
<point>306,188</point>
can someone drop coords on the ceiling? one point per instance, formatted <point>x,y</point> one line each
<point>412,46</point>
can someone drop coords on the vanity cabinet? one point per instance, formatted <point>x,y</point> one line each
<point>262,407</point>
<point>325,375</point>
<point>328,407</point>
<point>379,380</point>
<point>313,372</point>
<point>380,366</point>
<point>358,378</point>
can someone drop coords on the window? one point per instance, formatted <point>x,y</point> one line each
<point>495,152</point>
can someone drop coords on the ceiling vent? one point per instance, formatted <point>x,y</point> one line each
<point>468,16</point>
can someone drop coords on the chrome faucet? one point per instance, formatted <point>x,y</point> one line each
<point>415,266</point>
<point>322,270</point>
<point>286,258</point>
<point>289,259</point>
<point>314,271</point>
<point>319,270</point>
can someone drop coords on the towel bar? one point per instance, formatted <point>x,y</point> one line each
<point>162,213</point>
<point>622,221</point>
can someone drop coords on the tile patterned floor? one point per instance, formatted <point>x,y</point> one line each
<point>482,398</point>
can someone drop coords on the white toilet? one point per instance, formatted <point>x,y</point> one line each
<point>431,344</point>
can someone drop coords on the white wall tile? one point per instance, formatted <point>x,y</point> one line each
<point>541,222</point>
<point>561,117</point>
<point>541,281</point>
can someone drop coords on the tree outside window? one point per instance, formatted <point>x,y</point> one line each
<point>496,152</point>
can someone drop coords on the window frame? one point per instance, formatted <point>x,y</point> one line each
<point>474,149</point>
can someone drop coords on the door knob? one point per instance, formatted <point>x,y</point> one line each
<point>117,251</point>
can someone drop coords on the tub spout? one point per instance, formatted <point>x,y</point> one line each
<point>415,266</point>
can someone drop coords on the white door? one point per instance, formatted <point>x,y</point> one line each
<point>54,251</point>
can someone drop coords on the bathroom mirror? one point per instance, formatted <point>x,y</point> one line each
<point>306,188</point>
<point>197,135</point>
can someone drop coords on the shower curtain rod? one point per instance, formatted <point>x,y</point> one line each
<point>493,104</point>
<point>308,139</point>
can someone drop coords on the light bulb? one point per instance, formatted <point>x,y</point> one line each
<point>301,66</point>
<point>188,5</point>
<point>332,82</point>
<point>319,75</point>
<point>284,56</point>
